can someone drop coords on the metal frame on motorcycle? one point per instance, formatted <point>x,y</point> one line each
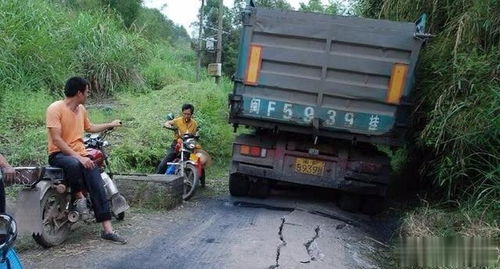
<point>182,161</point>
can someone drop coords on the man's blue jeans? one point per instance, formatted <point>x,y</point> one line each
<point>81,178</point>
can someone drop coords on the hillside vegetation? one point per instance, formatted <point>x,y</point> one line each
<point>457,120</point>
<point>139,63</point>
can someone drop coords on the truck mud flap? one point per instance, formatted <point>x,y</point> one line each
<point>28,213</point>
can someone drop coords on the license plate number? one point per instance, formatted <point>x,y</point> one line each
<point>309,166</point>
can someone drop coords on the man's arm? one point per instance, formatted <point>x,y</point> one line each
<point>195,127</point>
<point>169,124</point>
<point>55,133</point>
<point>96,128</point>
<point>8,171</point>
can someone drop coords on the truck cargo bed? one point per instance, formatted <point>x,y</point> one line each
<point>332,76</point>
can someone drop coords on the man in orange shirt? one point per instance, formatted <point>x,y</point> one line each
<point>66,122</point>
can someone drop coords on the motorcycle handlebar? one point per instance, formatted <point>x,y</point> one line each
<point>170,128</point>
<point>175,129</point>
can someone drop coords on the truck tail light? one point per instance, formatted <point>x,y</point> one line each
<point>253,151</point>
<point>254,64</point>
<point>397,83</point>
<point>245,150</point>
<point>365,167</point>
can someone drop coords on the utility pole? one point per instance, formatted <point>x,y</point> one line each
<point>198,67</point>
<point>219,40</point>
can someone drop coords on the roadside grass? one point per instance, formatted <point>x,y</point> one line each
<point>450,219</point>
<point>23,137</point>
<point>141,143</point>
<point>217,181</point>
<point>456,122</point>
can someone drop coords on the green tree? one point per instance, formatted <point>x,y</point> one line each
<point>316,6</point>
<point>128,9</point>
<point>231,28</point>
<point>281,4</point>
<point>155,26</point>
<point>230,36</point>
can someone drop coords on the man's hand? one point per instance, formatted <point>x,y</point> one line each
<point>86,162</point>
<point>9,173</point>
<point>168,125</point>
<point>116,123</point>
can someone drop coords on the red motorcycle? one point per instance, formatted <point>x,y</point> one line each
<point>190,162</point>
<point>44,207</point>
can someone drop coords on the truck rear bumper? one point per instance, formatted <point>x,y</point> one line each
<point>349,185</point>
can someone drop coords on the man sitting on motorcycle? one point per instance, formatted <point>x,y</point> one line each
<point>8,174</point>
<point>184,124</point>
<point>66,122</point>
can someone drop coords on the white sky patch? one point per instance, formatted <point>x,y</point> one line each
<point>185,12</point>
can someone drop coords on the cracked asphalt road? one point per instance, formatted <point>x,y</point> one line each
<point>227,232</point>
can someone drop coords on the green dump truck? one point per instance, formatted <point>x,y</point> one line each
<point>319,91</point>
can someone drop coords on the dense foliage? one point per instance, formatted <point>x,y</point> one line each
<point>457,120</point>
<point>138,63</point>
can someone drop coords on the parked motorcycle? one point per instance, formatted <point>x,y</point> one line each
<point>8,234</point>
<point>190,162</point>
<point>44,207</point>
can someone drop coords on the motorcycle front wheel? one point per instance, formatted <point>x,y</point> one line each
<point>55,224</point>
<point>191,181</point>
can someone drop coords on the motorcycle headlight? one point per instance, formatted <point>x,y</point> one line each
<point>190,144</point>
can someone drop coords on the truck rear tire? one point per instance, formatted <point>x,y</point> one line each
<point>259,188</point>
<point>373,205</point>
<point>238,185</point>
<point>350,202</point>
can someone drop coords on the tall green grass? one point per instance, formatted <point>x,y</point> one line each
<point>457,121</point>
<point>106,55</point>
<point>133,79</point>
<point>168,65</point>
<point>44,43</point>
<point>142,142</point>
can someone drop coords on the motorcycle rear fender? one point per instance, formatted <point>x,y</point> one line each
<point>28,213</point>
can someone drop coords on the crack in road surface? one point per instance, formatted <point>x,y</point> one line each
<point>258,205</point>
<point>313,250</point>
<point>282,244</point>
<point>290,209</point>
